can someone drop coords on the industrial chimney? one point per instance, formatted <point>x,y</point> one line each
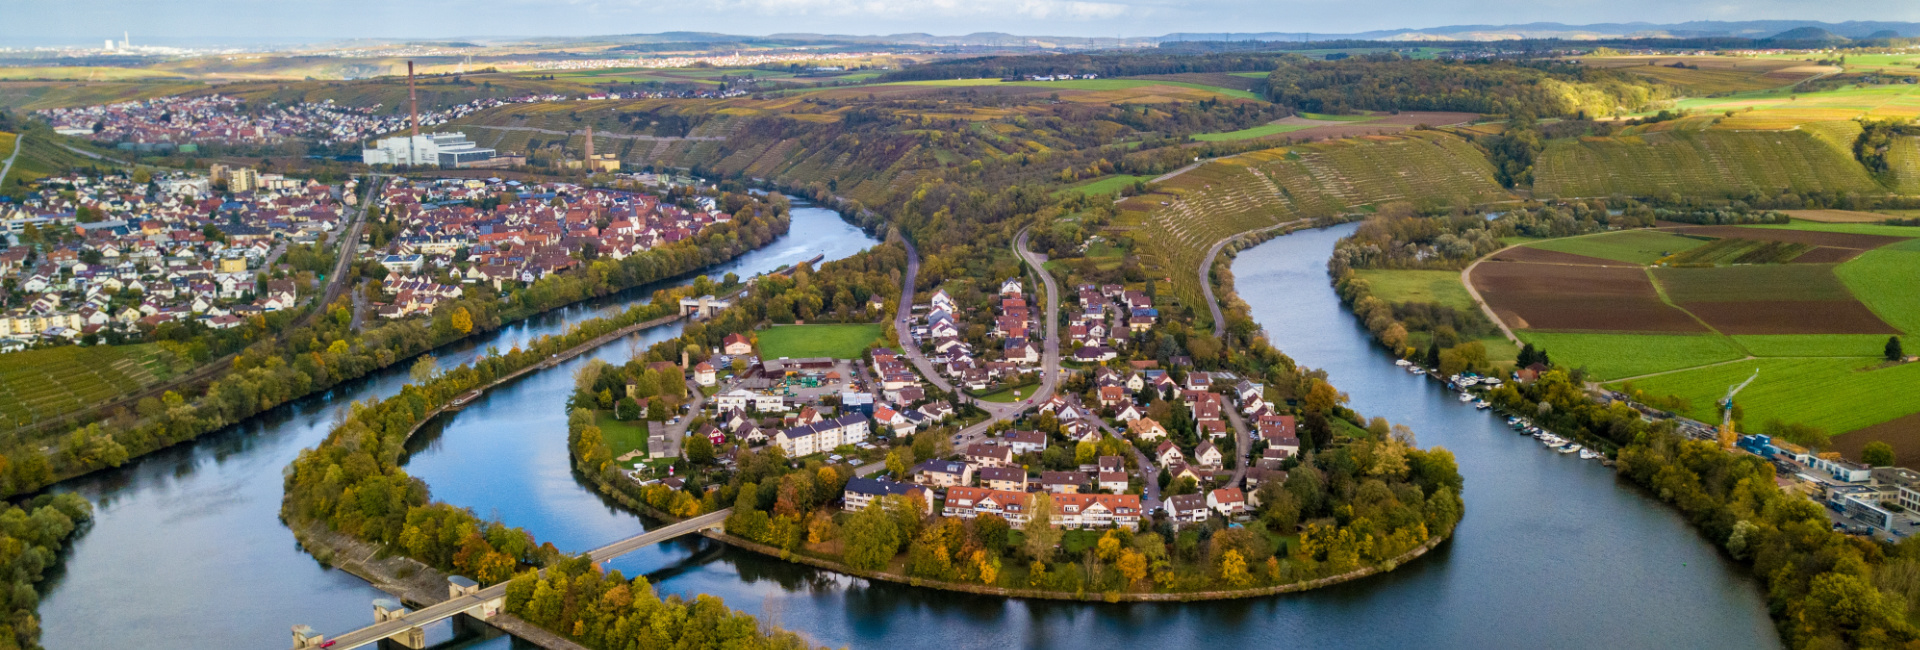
<point>413,102</point>
<point>589,146</point>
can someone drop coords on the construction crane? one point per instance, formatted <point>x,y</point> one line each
<point>1727,434</point>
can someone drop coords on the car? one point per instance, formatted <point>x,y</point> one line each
<point>328,644</point>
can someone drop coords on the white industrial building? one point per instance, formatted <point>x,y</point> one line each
<point>443,149</point>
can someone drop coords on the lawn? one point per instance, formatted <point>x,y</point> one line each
<point>1614,356</point>
<point>1815,345</point>
<point>1854,228</point>
<point>1106,184</point>
<point>621,437</point>
<point>1888,281</point>
<point>1250,133</point>
<point>1007,395</point>
<point>1838,395</point>
<point>839,341</point>
<point>1636,246</point>
<point>1438,287</point>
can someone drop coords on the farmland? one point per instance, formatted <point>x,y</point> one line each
<point>1707,75</point>
<point>1250,133</point>
<point>1838,395</point>
<point>1601,354</point>
<point>1708,162</point>
<point>1577,298</point>
<point>37,384</point>
<point>1106,184</point>
<point>833,340</point>
<point>1636,246</point>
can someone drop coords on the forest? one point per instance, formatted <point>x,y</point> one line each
<point>1389,82</point>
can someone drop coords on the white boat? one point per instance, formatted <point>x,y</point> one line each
<point>1468,381</point>
<point>1403,363</point>
<point>1483,405</point>
<point>1491,381</point>
<point>1588,454</point>
<point>1414,370</point>
<point>1465,397</point>
<point>1570,449</point>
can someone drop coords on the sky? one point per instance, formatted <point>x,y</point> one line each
<point>185,22</point>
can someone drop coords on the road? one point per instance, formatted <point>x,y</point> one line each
<point>8,167</point>
<point>1206,274</point>
<point>374,633</point>
<point>1481,302</point>
<point>617,136</point>
<point>903,321</point>
<point>349,245</point>
<point>1243,443</point>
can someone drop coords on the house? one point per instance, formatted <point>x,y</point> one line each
<point>943,473</point>
<point>736,344</point>
<point>1011,479</point>
<point>1187,508</point>
<point>1208,455</point>
<point>1113,396</point>
<point>1130,412</point>
<point>860,492</point>
<point>743,399</point>
<point>970,502</point>
<point>1095,354</point>
<point>703,374</point>
<point>1146,429</point>
<point>1069,510</point>
<point>1227,501</point>
<point>1025,442</point>
<point>821,436</point>
<point>990,455</point>
<point>1063,482</point>
<point>1167,454</point>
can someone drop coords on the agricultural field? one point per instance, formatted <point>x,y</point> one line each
<point>1838,395</point>
<point>1261,131</point>
<point>38,384</point>
<point>1713,75</point>
<point>36,95</point>
<point>1601,354</point>
<point>1412,285</point>
<point>1636,246</point>
<point>1106,184</point>
<point>1102,91</point>
<point>839,341</point>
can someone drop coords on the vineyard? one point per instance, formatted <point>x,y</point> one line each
<point>1740,251</point>
<point>1708,162</point>
<point>38,384</point>
<point>1264,188</point>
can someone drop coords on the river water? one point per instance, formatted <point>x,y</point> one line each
<point>1553,552</point>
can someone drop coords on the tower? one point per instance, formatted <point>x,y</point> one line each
<point>589,145</point>
<point>413,102</point>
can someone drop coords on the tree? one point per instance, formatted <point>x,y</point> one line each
<point>1894,353</point>
<point>424,368</point>
<point>1233,569</point>
<point>462,320</point>
<point>900,462</point>
<point>1878,454</point>
<point>699,449</point>
<point>872,538</point>
<point>1132,566</point>
<point>1042,537</point>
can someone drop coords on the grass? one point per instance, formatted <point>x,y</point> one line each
<point>1697,163</point>
<point>1837,395</point>
<point>1636,246</point>
<point>1853,228</point>
<point>839,341</point>
<point>38,384</point>
<point>1814,345</point>
<point>1088,85</point>
<point>1615,356</point>
<point>1106,184</point>
<point>1325,117</point>
<point>1007,396</point>
<point>1888,281</point>
<point>1250,133</point>
<point>621,437</point>
<point>1437,287</point>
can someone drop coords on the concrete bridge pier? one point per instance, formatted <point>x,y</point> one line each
<point>387,609</point>
<point>304,637</point>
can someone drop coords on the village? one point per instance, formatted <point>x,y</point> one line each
<point>114,255</point>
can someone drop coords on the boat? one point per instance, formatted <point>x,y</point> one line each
<point>1464,397</point>
<point>1491,381</point>
<point>1403,363</point>
<point>1483,405</point>
<point>1570,449</point>
<point>463,400</point>
<point>1588,454</point>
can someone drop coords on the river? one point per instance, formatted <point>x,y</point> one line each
<point>1553,552</point>
<point>187,551</point>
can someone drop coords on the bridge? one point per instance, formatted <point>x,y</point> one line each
<point>406,628</point>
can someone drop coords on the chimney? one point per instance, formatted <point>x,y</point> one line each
<point>413,102</point>
<point>589,147</point>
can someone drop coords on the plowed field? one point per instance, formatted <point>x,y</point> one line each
<point>1583,298</point>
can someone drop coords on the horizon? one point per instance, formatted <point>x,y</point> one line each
<point>227,23</point>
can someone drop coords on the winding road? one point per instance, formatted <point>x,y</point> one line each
<point>8,167</point>
<point>1206,273</point>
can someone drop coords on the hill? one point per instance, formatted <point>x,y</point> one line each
<point>1718,163</point>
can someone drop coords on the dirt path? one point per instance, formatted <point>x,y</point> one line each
<point>8,167</point>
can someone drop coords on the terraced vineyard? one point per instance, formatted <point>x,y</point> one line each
<point>1265,188</point>
<point>37,384</point>
<point>1710,162</point>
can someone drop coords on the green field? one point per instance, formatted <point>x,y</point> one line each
<point>1615,356</point>
<point>37,384</point>
<point>1250,133</point>
<point>1007,396</point>
<point>1636,246</point>
<point>1854,228</point>
<point>1888,281</point>
<point>1437,287</point>
<point>1697,163</point>
<point>840,341</point>
<point>1760,282</point>
<point>1106,184</point>
<point>622,437</point>
<point>1815,345</point>
<point>1838,395</point>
